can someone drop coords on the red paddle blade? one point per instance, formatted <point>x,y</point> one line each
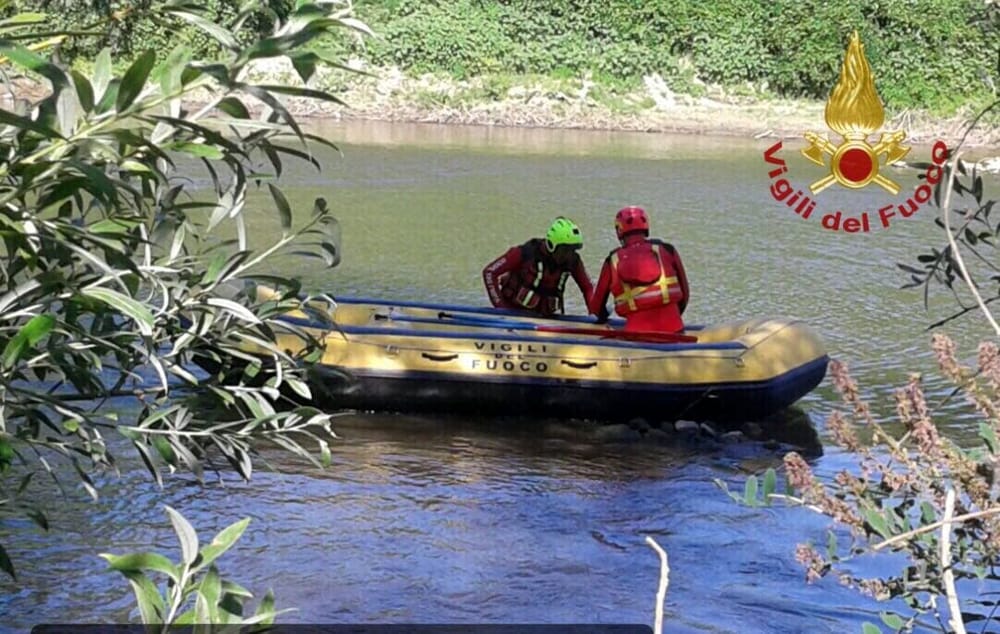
<point>630,335</point>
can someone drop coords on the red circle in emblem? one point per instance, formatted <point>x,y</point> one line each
<point>855,165</point>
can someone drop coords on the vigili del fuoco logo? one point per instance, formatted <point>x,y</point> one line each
<point>854,111</point>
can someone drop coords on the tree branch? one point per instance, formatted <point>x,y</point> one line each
<point>955,617</point>
<point>661,593</point>
<point>945,208</point>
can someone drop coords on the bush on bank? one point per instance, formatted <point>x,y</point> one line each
<point>925,54</point>
<point>936,55</point>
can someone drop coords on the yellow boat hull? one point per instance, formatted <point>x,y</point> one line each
<point>411,356</point>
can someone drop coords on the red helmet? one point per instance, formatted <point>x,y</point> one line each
<point>629,219</point>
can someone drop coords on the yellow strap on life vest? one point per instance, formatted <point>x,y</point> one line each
<point>630,294</point>
<point>526,300</point>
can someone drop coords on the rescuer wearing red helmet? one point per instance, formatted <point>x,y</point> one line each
<point>532,276</point>
<point>645,278</point>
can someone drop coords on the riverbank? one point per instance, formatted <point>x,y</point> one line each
<point>573,104</point>
<point>387,94</point>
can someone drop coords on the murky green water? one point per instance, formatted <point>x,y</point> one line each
<point>436,520</point>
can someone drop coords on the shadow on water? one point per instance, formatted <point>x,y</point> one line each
<point>450,519</point>
<point>791,429</point>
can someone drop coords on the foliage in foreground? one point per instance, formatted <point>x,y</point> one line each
<point>192,593</point>
<point>127,27</point>
<point>915,493</point>
<point>966,263</point>
<point>918,493</point>
<point>118,270</point>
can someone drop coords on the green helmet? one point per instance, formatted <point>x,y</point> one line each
<point>563,231</point>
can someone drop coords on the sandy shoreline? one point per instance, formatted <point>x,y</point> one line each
<point>763,122</point>
<point>390,96</point>
<point>694,121</point>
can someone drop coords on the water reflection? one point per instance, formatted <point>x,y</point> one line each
<point>422,519</point>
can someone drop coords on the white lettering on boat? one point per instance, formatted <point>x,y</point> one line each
<point>494,346</point>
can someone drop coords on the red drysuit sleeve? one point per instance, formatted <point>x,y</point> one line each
<point>583,280</point>
<point>682,279</point>
<point>597,304</point>
<point>496,270</point>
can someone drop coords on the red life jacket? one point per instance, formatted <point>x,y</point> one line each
<point>643,277</point>
<point>538,284</point>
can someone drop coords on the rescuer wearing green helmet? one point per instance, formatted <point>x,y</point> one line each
<point>532,276</point>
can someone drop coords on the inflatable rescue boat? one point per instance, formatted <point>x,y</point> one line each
<point>413,356</point>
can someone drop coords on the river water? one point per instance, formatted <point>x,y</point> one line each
<point>431,519</point>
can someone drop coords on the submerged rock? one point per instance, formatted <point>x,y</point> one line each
<point>752,430</point>
<point>616,433</point>
<point>658,436</point>
<point>733,436</point>
<point>639,424</point>
<point>667,426</point>
<point>686,426</point>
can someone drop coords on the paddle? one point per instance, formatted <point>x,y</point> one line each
<point>604,333</point>
<point>637,335</point>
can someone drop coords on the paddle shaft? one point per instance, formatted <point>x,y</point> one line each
<point>637,335</point>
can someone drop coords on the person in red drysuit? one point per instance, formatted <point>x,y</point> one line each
<point>645,278</point>
<point>532,276</point>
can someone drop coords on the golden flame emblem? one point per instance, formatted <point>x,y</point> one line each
<point>854,111</point>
